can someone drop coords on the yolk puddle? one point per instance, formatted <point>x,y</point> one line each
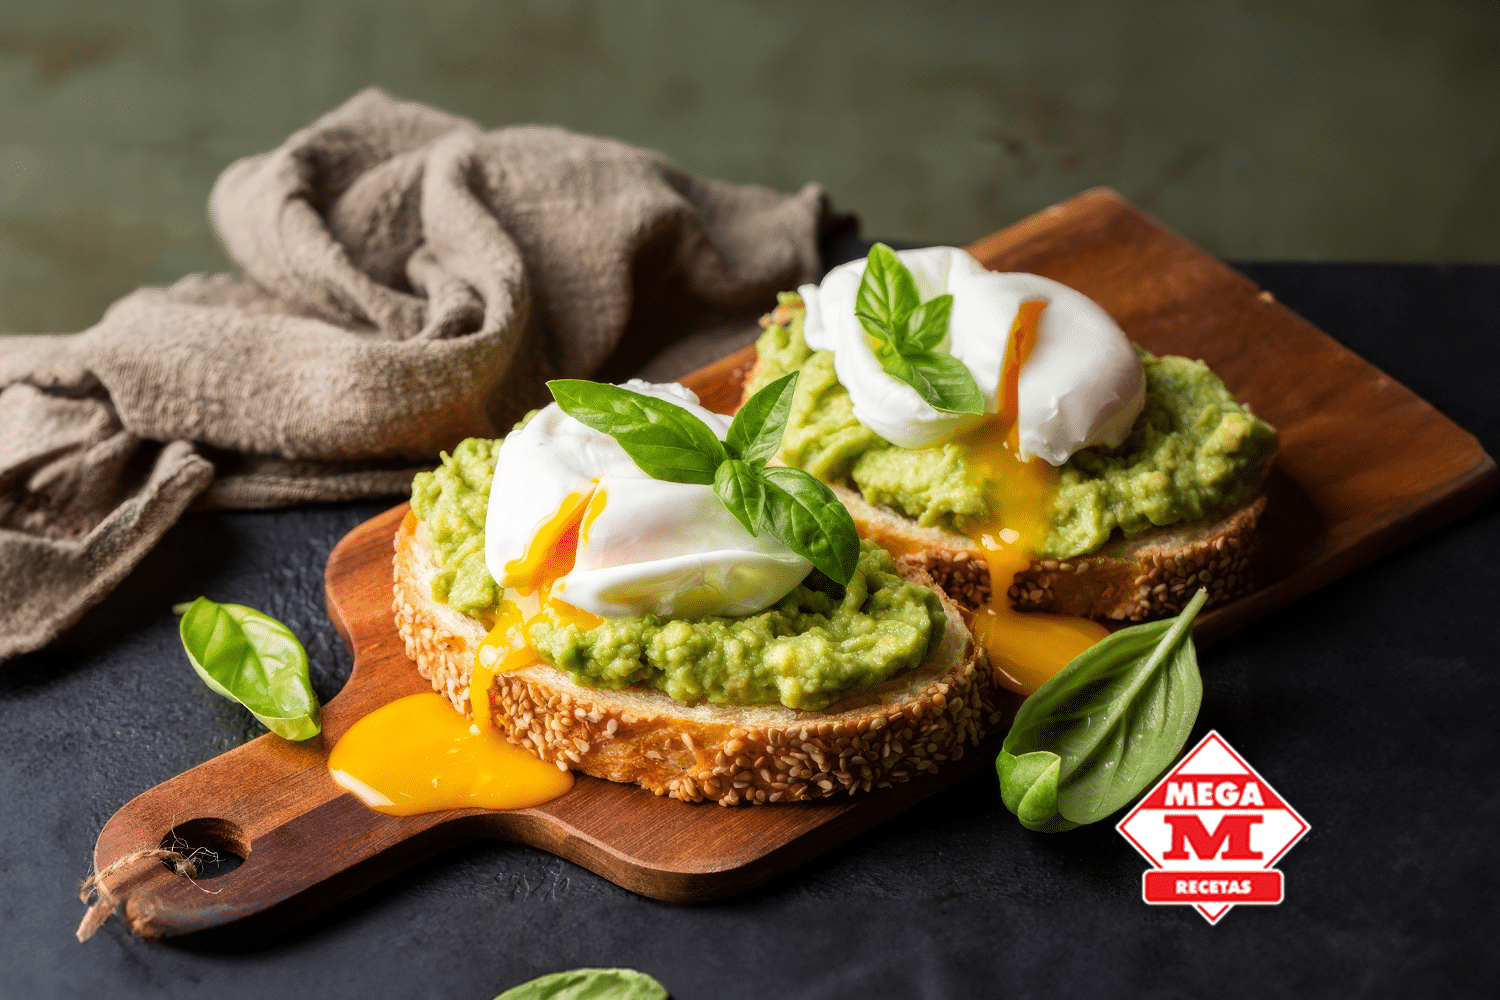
<point>1025,648</point>
<point>418,755</point>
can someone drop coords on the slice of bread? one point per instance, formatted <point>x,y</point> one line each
<point>729,754</point>
<point>1149,576</point>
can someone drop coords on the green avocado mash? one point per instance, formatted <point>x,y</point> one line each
<point>1192,449</point>
<point>452,500</point>
<point>807,651</point>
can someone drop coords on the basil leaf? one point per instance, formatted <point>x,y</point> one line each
<point>906,332</point>
<point>804,515</point>
<point>928,324</point>
<point>740,488</point>
<point>755,434</point>
<point>941,379</point>
<point>669,443</point>
<point>666,441</point>
<point>1115,718</point>
<point>589,984</point>
<point>887,292</point>
<point>885,338</point>
<point>249,657</point>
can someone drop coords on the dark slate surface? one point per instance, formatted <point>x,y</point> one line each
<point>1369,705</point>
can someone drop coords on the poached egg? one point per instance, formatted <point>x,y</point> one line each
<point>1081,383</point>
<point>638,545</point>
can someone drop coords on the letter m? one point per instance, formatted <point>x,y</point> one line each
<point>1188,830</point>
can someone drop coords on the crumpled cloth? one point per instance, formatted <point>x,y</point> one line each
<point>408,280</point>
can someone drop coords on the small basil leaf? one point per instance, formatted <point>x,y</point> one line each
<point>1115,717</point>
<point>250,657</point>
<point>755,434</point>
<point>883,337</point>
<point>669,443</point>
<point>1028,787</point>
<point>589,984</point>
<point>804,515</point>
<point>928,324</point>
<point>905,333</point>
<point>942,380</point>
<point>666,441</point>
<point>887,291</point>
<point>742,492</point>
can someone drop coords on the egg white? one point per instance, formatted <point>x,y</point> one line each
<point>667,549</point>
<point>1081,386</point>
<point>673,550</point>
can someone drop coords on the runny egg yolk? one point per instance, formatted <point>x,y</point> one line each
<point>552,548</point>
<point>418,755</point>
<point>1025,648</point>
<point>549,555</point>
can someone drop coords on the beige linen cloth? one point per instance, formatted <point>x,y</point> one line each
<point>409,280</point>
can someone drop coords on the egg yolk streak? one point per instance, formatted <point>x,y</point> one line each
<point>1025,648</point>
<point>549,555</point>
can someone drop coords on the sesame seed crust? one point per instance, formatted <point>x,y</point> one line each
<point>1123,580</point>
<point>732,755</point>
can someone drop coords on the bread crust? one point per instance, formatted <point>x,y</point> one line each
<point>1123,580</point>
<point>728,754</point>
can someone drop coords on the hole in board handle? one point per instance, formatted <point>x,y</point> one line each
<point>216,846</point>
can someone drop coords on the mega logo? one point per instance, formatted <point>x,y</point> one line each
<point>1212,829</point>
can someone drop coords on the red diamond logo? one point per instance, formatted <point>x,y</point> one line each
<point>1213,830</point>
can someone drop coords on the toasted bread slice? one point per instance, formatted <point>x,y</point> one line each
<point>1149,576</point>
<point>730,754</point>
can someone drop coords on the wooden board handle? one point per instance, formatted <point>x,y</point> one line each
<point>273,804</point>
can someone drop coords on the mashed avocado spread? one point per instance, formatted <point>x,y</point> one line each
<point>1193,449</point>
<point>807,651</point>
<point>453,500</point>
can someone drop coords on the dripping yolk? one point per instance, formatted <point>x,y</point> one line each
<point>502,651</point>
<point>552,548</point>
<point>1025,648</point>
<point>549,555</point>
<point>417,755</point>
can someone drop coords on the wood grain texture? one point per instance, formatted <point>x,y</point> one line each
<point>1365,465</point>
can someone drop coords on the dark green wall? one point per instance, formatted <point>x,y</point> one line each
<point>1261,130</point>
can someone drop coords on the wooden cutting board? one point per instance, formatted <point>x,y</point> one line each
<point>1365,465</point>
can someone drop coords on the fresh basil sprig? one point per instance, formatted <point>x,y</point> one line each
<point>1107,725</point>
<point>249,657</point>
<point>589,984</point>
<point>906,332</point>
<point>669,443</point>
